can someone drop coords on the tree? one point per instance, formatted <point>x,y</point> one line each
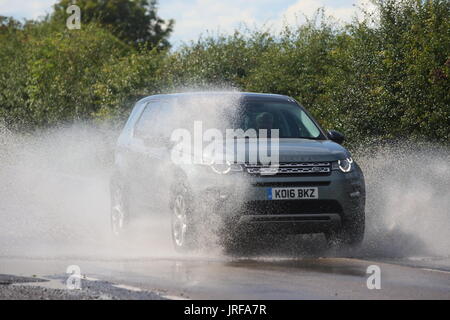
<point>134,21</point>
<point>13,73</point>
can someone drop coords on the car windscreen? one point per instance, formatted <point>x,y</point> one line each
<point>226,113</point>
<point>288,118</point>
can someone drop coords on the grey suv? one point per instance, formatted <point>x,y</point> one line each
<point>316,186</point>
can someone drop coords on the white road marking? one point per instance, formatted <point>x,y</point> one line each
<point>135,289</point>
<point>175,298</point>
<point>89,278</point>
<point>436,270</point>
<point>130,288</point>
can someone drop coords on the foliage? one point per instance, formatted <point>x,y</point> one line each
<point>386,77</point>
<point>135,22</point>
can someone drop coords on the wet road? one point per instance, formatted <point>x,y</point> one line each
<point>256,278</point>
<point>146,267</point>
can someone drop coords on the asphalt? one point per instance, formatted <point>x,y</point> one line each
<point>202,277</point>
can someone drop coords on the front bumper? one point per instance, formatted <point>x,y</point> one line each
<point>242,201</point>
<point>289,223</point>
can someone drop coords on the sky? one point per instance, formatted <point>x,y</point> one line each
<point>196,17</point>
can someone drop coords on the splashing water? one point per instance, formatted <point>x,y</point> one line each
<point>54,197</point>
<point>408,200</point>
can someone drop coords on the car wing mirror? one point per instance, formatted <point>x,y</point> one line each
<point>336,136</point>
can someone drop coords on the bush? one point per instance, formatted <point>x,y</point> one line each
<point>379,80</point>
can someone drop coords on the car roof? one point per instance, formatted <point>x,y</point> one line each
<point>245,95</point>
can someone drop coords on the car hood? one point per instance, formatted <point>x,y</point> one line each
<point>291,150</point>
<point>295,150</point>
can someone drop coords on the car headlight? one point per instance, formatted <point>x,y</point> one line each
<point>345,165</point>
<point>225,168</point>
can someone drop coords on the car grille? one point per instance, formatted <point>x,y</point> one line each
<point>290,184</point>
<point>261,207</point>
<point>290,168</point>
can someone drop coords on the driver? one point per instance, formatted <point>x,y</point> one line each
<point>264,120</point>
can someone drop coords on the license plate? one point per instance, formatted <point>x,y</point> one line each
<point>292,193</point>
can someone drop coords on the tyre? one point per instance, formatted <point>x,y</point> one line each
<point>182,221</point>
<point>351,234</point>
<point>120,216</point>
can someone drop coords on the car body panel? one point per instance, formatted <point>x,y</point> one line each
<point>148,167</point>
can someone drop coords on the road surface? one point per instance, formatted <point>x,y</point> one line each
<point>203,277</point>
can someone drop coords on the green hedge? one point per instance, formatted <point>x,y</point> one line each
<point>376,80</point>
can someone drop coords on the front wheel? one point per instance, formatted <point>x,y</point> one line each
<point>183,229</point>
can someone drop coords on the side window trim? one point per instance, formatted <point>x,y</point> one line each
<point>132,120</point>
<point>147,105</point>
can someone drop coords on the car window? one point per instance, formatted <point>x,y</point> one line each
<point>288,118</point>
<point>166,119</point>
<point>157,121</point>
<point>146,125</point>
<point>160,118</point>
<point>309,126</point>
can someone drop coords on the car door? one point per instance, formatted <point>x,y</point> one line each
<point>144,157</point>
<point>150,150</point>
